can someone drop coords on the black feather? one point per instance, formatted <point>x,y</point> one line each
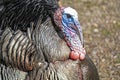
<point>18,14</point>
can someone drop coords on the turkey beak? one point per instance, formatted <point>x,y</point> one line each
<point>78,30</point>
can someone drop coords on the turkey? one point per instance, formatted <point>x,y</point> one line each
<point>43,41</point>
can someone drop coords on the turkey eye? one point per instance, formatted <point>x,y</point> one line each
<point>68,16</point>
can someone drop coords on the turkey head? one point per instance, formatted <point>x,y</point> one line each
<point>66,19</point>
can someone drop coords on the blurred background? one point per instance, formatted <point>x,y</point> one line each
<point>100,20</point>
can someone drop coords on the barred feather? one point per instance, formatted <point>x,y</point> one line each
<point>17,50</point>
<point>7,73</point>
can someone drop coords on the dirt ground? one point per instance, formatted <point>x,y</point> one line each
<point>100,20</point>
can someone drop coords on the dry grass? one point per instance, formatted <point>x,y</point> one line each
<point>100,20</point>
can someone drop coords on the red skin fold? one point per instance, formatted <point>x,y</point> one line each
<point>76,54</point>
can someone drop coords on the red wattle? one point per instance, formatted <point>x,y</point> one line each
<point>82,56</point>
<point>74,55</point>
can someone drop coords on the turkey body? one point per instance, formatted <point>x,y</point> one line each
<point>51,59</point>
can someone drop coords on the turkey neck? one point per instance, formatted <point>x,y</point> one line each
<point>52,46</point>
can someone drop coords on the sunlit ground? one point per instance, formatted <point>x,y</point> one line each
<point>100,20</point>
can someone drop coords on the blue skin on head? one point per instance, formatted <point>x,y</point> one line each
<point>72,31</point>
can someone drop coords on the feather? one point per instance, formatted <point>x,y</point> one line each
<point>18,14</point>
<point>17,50</point>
